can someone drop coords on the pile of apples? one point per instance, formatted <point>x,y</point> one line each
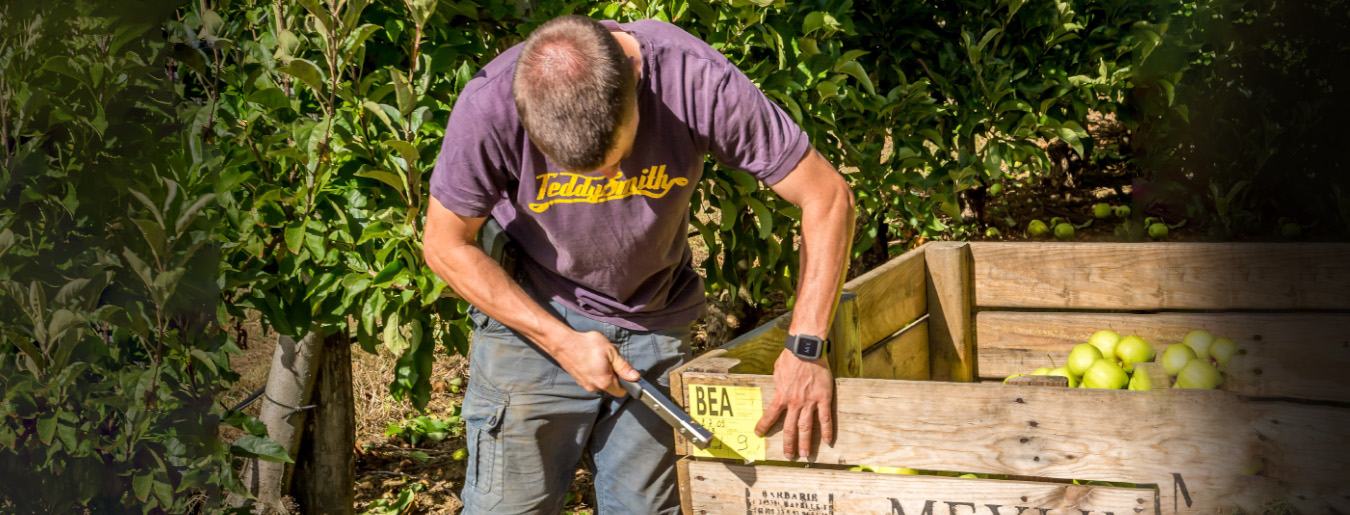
<point>1107,362</point>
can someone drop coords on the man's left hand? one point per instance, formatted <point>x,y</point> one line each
<point>805,393</point>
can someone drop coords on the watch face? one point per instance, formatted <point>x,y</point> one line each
<point>808,347</point>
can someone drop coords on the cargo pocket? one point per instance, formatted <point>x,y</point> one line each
<point>483,412</point>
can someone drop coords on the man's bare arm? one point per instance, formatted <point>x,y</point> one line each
<point>451,251</point>
<point>805,389</point>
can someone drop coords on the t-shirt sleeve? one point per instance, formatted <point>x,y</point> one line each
<point>750,132</point>
<point>468,178</point>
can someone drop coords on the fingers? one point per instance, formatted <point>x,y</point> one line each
<point>771,415</point>
<point>805,426</point>
<point>622,368</point>
<point>823,413</point>
<point>790,433</point>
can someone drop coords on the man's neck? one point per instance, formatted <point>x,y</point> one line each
<point>632,49</point>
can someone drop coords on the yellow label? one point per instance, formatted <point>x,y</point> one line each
<point>731,413</point>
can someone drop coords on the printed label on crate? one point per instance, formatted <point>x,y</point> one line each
<point>731,413</point>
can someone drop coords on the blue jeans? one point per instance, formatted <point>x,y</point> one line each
<point>527,423</point>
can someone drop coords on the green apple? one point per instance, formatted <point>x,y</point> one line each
<point>1105,341</point>
<point>1176,357</point>
<point>863,468</point>
<point>1122,211</point>
<point>1133,349</point>
<point>1222,350</point>
<point>1064,232</point>
<point>1064,372</point>
<point>1037,229</point>
<point>1291,230</point>
<point>969,476</point>
<point>1199,341</point>
<point>1105,374</point>
<point>1157,231</point>
<point>1041,371</point>
<point>896,470</point>
<point>1139,381</point>
<point>1199,374</point>
<point>1005,380</point>
<point>1081,357</point>
<point>996,189</point>
<point>1101,210</point>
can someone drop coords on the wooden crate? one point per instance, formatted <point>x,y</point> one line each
<point>921,349</point>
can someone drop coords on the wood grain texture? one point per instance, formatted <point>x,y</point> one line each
<point>891,295</point>
<point>719,488</point>
<point>1158,276</point>
<point>325,466</point>
<point>1207,439</point>
<point>903,356</point>
<point>1298,355</point>
<point>950,332</point>
<point>846,345</point>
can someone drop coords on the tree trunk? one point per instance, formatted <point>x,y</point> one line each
<point>325,469</point>
<point>290,384</point>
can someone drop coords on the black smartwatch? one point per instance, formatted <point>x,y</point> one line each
<point>806,346</point>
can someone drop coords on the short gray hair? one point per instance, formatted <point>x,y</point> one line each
<point>572,85</point>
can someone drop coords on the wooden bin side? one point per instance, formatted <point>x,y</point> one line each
<point>1162,276</point>
<point>888,299</point>
<point>719,488</point>
<point>1192,444</point>
<point>1294,347</point>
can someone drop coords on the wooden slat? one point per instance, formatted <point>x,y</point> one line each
<point>724,489</point>
<point>845,341</point>
<point>1299,355</point>
<point>904,356</point>
<point>1204,439</point>
<point>1158,276</point>
<point>950,338</point>
<point>890,295</point>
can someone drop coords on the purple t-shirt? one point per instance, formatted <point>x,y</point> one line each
<point>615,250</point>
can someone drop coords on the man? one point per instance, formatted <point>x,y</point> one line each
<point>585,142</point>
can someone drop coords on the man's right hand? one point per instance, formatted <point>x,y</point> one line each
<point>593,362</point>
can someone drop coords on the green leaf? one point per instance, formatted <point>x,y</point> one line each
<point>295,235</point>
<point>205,359</point>
<point>287,45</point>
<point>270,98</point>
<point>407,151</point>
<point>325,17</point>
<point>306,71</point>
<point>263,448</point>
<point>856,70</point>
<point>393,337</point>
<point>153,234</point>
<point>140,485</point>
<point>403,91</point>
<point>1169,90</point>
<point>46,428</point>
<point>388,274</point>
<point>379,113</point>
<point>764,215</point>
<point>185,219</point>
<point>6,241</point>
<point>388,178</point>
<point>63,320</point>
<point>818,20</point>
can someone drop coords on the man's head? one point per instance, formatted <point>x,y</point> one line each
<point>575,90</point>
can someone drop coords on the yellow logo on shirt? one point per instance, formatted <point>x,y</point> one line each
<point>567,188</point>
